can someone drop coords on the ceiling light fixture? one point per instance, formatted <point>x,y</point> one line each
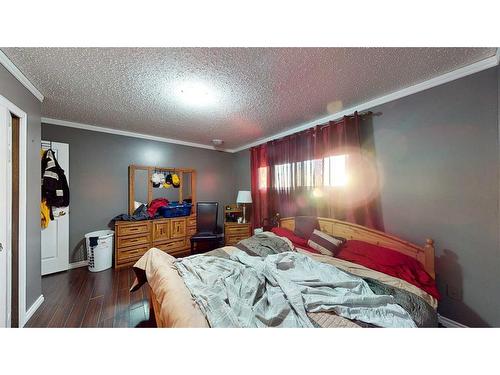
<point>196,94</point>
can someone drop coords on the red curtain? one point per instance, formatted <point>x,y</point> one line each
<point>260,183</point>
<point>288,194</point>
<point>296,173</point>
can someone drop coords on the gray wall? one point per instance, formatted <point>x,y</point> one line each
<point>99,175</point>
<point>438,154</point>
<point>11,89</point>
<point>241,168</point>
<point>438,157</point>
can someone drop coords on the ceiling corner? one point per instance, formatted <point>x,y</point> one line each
<point>9,65</point>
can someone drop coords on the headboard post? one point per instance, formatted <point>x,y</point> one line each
<point>429,257</point>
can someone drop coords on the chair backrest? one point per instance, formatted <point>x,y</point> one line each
<point>206,217</point>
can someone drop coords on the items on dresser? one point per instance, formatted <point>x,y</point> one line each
<point>175,209</point>
<point>235,232</point>
<point>143,188</point>
<point>134,238</point>
<point>207,230</point>
<point>232,212</point>
<point>155,205</point>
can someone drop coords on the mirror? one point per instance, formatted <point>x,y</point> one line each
<point>187,192</point>
<point>141,186</point>
<point>171,193</point>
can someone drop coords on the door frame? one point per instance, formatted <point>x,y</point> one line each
<point>23,142</point>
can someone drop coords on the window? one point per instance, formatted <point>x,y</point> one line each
<point>262,178</point>
<point>335,171</point>
<point>329,172</point>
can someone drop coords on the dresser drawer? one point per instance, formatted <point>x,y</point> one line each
<point>178,228</point>
<point>237,230</point>
<point>161,230</point>
<point>132,241</point>
<point>191,221</point>
<point>130,253</point>
<point>172,246</point>
<point>129,229</point>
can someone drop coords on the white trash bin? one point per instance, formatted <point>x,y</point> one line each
<point>100,256</point>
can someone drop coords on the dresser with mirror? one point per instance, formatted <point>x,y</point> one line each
<point>134,238</point>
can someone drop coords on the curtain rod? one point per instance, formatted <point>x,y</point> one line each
<point>363,114</point>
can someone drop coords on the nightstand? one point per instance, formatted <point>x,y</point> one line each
<point>235,232</point>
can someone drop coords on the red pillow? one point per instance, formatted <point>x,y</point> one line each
<point>390,262</point>
<point>296,240</point>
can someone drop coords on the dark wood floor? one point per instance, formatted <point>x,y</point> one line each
<point>79,298</point>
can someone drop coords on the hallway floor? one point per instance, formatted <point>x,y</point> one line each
<point>79,298</point>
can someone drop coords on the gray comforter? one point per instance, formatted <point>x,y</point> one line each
<point>263,245</point>
<point>279,289</point>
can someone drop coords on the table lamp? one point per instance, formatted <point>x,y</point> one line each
<point>243,198</point>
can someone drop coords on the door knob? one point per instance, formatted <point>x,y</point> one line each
<point>1,247</point>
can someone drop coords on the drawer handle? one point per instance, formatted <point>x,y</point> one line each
<point>173,244</point>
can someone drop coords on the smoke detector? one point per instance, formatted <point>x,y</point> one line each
<point>217,142</point>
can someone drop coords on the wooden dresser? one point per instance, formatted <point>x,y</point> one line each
<point>234,232</point>
<point>134,238</point>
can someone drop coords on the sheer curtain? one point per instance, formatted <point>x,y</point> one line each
<point>320,171</point>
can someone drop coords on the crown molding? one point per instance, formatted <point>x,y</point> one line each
<point>433,82</point>
<point>9,65</point>
<point>77,125</point>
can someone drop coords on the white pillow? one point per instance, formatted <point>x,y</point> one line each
<point>324,243</point>
<point>137,205</point>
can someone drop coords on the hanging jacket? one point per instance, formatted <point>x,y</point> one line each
<point>44,214</point>
<point>55,187</point>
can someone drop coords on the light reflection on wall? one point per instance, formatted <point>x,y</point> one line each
<point>209,183</point>
<point>152,156</point>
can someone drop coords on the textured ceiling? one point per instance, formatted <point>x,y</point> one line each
<point>258,91</point>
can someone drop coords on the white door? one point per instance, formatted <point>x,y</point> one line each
<point>55,238</point>
<point>5,119</point>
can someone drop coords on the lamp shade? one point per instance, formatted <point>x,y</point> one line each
<point>244,196</point>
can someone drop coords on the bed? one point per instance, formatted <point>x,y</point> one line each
<point>173,305</point>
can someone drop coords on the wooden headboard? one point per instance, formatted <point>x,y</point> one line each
<point>425,254</point>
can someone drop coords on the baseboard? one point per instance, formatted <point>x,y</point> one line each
<point>82,263</point>
<point>32,309</point>
<point>449,323</point>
